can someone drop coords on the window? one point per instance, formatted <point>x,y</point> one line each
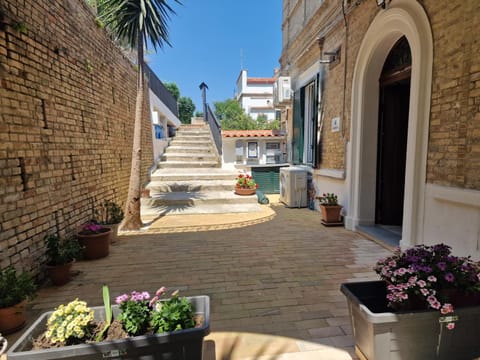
<point>253,149</point>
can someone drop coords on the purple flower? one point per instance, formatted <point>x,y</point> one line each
<point>139,296</point>
<point>442,266</point>
<point>427,269</point>
<point>449,277</point>
<point>121,298</point>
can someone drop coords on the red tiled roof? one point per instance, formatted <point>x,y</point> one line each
<point>252,133</point>
<point>260,80</point>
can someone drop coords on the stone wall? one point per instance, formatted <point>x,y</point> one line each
<point>67,97</point>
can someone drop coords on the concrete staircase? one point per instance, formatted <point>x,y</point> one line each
<point>190,180</point>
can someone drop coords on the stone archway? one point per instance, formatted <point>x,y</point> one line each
<point>402,18</point>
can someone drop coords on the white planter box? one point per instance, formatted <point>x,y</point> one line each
<point>416,335</point>
<point>178,345</point>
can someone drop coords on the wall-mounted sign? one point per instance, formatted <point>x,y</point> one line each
<point>335,124</point>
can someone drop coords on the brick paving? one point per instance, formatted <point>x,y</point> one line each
<point>274,285</point>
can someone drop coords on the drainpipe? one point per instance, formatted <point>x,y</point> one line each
<point>344,90</point>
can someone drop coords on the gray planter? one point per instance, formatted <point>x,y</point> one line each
<point>178,345</point>
<point>380,334</point>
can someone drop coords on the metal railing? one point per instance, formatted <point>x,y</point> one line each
<point>161,91</point>
<point>215,127</point>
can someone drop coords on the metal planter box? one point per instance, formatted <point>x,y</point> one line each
<point>380,334</point>
<point>178,345</point>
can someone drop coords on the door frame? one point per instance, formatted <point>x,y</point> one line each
<point>401,18</point>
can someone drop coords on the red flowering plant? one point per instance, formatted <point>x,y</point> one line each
<point>246,181</point>
<point>429,277</point>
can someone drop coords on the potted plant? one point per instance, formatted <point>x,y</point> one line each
<point>330,209</point>
<point>245,185</point>
<point>61,253</point>
<point>138,326</point>
<point>110,216</point>
<point>425,307</point>
<point>14,290</point>
<point>95,240</point>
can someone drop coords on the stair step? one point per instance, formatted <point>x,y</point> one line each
<point>189,150</point>
<point>194,132</point>
<point>189,157</point>
<point>201,174</point>
<point>194,198</point>
<point>148,212</point>
<point>179,142</point>
<point>157,187</point>
<point>195,138</point>
<point>188,164</point>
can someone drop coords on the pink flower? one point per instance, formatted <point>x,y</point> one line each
<point>161,291</point>
<point>432,278</point>
<point>424,292</point>
<point>421,283</point>
<point>153,301</point>
<point>446,309</point>
<point>413,279</point>
<point>451,326</point>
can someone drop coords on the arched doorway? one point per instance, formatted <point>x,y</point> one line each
<point>394,100</point>
<point>402,18</point>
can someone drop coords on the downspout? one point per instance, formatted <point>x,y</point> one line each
<point>345,142</point>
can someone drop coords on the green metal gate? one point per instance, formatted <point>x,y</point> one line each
<point>267,178</point>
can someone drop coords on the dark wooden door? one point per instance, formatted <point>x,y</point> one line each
<point>392,150</point>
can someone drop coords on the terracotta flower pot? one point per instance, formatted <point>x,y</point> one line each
<point>331,213</point>
<point>244,191</point>
<point>95,246</point>
<point>59,274</point>
<point>12,318</point>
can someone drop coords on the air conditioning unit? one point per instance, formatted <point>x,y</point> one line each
<point>293,186</point>
<point>282,90</point>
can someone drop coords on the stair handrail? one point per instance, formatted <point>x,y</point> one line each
<point>215,128</point>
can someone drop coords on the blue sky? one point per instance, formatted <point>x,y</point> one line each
<point>207,38</point>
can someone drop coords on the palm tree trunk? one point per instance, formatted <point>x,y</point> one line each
<point>132,220</point>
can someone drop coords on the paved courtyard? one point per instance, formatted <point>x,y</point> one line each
<point>274,285</point>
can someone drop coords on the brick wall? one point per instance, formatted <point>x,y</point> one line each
<point>454,133</point>
<point>454,146</point>
<point>67,97</point>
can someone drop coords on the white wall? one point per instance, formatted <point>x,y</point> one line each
<point>452,216</point>
<point>161,115</point>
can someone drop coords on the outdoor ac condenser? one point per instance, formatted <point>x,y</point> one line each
<point>293,186</point>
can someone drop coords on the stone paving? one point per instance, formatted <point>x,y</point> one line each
<point>273,285</point>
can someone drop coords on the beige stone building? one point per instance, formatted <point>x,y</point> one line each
<point>386,114</point>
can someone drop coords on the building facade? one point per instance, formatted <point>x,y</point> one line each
<point>386,112</point>
<point>255,95</point>
<point>242,149</point>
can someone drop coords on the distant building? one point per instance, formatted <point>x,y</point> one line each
<point>245,148</point>
<point>255,95</point>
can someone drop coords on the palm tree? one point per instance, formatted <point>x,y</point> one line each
<point>136,23</point>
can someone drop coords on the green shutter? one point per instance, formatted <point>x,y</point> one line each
<point>297,138</point>
<point>268,179</point>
